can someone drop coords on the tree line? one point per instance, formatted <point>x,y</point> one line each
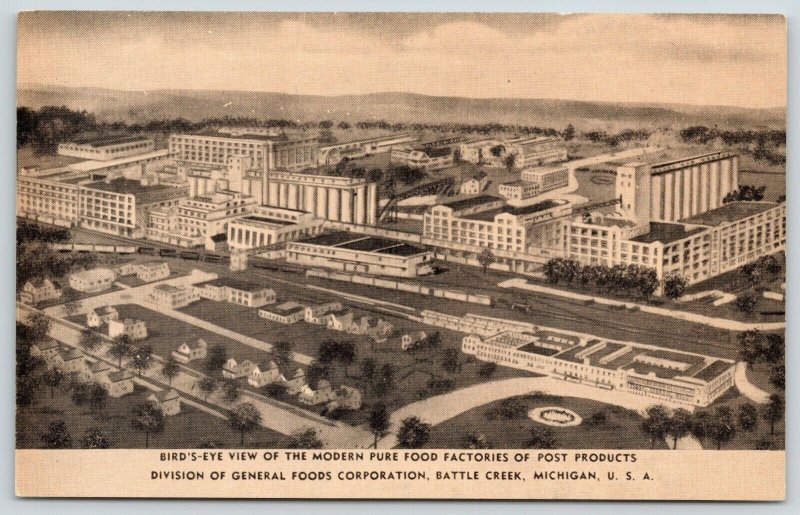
<point>625,279</point>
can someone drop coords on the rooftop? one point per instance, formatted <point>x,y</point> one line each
<point>515,211</point>
<point>359,242</point>
<point>128,187</point>
<point>666,233</point>
<point>266,220</point>
<point>108,141</point>
<point>89,166</point>
<point>168,288</point>
<point>713,370</point>
<point>730,212</point>
<point>471,202</point>
<point>533,348</point>
<point>250,137</point>
<point>236,284</point>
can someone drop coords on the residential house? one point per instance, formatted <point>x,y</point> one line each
<point>46,349</point>
<point>235,291</point>
<point>93,281</point>
<point>339,320</point>
<point>168,400</point>
<point>100,316</point>
<point>381,331</point>
<point>134,329</point>
<point>475,184</point>
<point>234,370</point>
<point>324,393</point>
<point>348,397</point>
<point>173,297</point>
<point>191,351</point>
<point>361,325</point>
<point>286,313</point>
<point>412,338</point>
<point>98,370</point>
<point>296,382</point>
<point>118,383</point>
<point>316,314</point>
<point>40,290</point>
<point>265,373</point>
<point>126,269</point>
<point>69,360</point>
<point>152,271</point>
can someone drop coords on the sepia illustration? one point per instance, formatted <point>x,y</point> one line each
<point>393,231</point>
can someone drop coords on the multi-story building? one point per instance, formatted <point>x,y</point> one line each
<point>535,150</point>
<point>475,184</point>
<point>49,194</point>
<point>359,253</point>
<point>664,375</point>
<point>286,313</point>
<point>94,280</point>
<point>547,178</point>
<point>40,290</point>
<point>268,225</point>
<point>677,188</point>
<point>196,220</point>
<point>133,329</point>
<point>105,149</point>
<point>491,224</point>
<point>121,206</point>
<point>236,291</point>
<point>518,193</point>
<point>333,153</point>
<point>131,167</point>
<point>216,148</point>
<point>425,158</point>
<point>697,248</point>
<point>173,297</point>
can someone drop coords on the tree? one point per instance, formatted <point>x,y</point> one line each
<point>231,390</point>
<point>701,425</point>
<point>476,441</point>
<point>750,346</point>
<point>746,303</point>
<point>72,307</point>
<point>53,378</point>
<point>39,325</point>
<point>777,376</point>
<point>244,418</point>
<point>385,379</point>
<point>656,425</point>
<point>141,358</point>
<point>316,372</point>
<point>283,353</point>
<point>215,359</point>
<point>568,133</point>
<point>368,367</point>
<point>510,161</point>
<point>378,422</point>
<point>542,438</point>
<point>305,439</point>
<point>485,258</point>
<point>120,348</point>
<point>207,385</point>
<point>774,410</point>
<point>775,349</point>
<point>97,397</point>
<point>647,281</point>
<point>450,361</point>
<point>95,439</point>
<point>674,286</point>
<point>149,419</point>
<point>748,417</point>
<point>680,424</point>
<point>487,369</point>
<point>170,369</point>
<point>723,427</point>
<point>57,436</point>
<point>413,433</point>
<point>90,339</point>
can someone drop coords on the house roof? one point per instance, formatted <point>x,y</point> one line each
<point>105,310</point>
<point>47,344</point>
<point>99,366</point>
<point>265,366</point>
<point>236,284</point>
<point>119,375</point>
<point>197,344</point>
<point>165,395</point>
<point>70,354</point>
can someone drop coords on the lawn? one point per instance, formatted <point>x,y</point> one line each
<point>190,428</point>
<point>621,430</point>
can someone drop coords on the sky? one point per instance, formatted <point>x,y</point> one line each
<point>693,59</point>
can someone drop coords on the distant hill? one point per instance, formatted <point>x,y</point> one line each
<point>114,105</point>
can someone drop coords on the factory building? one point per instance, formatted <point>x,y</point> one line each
<point>677,188</point>
<point>535,150</point>
<point>332,154</point>
<point>547,178</point>
<point>269,225</point>
<point>358,253</point>
<point>106,149</point>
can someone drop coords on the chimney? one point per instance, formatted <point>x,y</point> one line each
<point>265,175</point>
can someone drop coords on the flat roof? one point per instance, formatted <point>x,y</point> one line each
<point>471,202</point>
<point>533,348</point>
<point>515,211</point>
<point>124,186</point>
<point>646,369</point>
<point>236,284</point>
<point>252,137</point>
<point>332,238</point>
<point>168,288</point>
<point>666,233</point>
<point>266,220</point>
<point>107,141</point>
<point>730,212</point>
<point>360,242</point>
<point>91,165</point>
<point>713,370</point>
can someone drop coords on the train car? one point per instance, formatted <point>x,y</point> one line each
<point>167,252</point>
<point>104,248</point>
<point>190,254</point>
<point>150,251</point>
<point>212,258</point>
<point>125,249</point>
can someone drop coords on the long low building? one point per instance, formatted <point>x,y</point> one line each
<point>663,375</point>
<point>105,149</point>
<point>269,225</point>
<point>359,253</point>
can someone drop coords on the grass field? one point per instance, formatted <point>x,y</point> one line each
<point>190,428</point>
<point>620,431</point>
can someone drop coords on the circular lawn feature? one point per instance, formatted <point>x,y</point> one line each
<point>555,416</point>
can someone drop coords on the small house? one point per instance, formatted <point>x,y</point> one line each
<point>234,370</point>
<point>296,382</point>
<point>40,290</point>
<point>118,383</point>
<point>168,400</point>
<point>191,351</point>
<point>46,349</point>
<point>152,271</point>
<point>412,338</point>
<point>316,314</point>
<point>348,397</point>
<point>265,373</point>
<point>321,395</point>
<point>339,320</point>
<point>134,329</point>
<point>100,316</point>
<point>69,360</point>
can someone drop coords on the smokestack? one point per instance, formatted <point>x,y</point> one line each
<point>265,175</point>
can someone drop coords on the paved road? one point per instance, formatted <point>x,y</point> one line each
<point>746,388</point>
